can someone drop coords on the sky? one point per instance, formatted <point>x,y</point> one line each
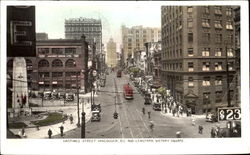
<point>50,18</point>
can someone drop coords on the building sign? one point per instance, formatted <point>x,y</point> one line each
<point>21,34</point>
<point>229,113</point>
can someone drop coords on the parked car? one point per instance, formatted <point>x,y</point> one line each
<point>96,107</point>
<point>95,116</point>
<point>157,106</point>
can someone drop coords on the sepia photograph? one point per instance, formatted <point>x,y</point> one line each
<point>130,73</point>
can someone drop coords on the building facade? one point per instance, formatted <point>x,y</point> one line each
<point>134,38</point>
<point>92,29</point>
<point>197,51</point>
<point>60,65</point>
<point>111,53</point>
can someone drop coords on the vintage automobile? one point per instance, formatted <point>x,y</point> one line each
<point>69,97</point>
<point>95,116</point>
<point>128,92</point>
<point>157,106</point>
<point>96,107</point>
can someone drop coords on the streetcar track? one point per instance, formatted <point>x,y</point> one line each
<point>124,110</point>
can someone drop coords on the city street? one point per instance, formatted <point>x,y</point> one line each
<point>131,122</point>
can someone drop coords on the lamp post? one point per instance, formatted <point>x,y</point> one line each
<point>83,122</point>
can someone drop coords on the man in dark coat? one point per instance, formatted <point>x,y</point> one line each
<point>49,133</point>
<point>61,130</point>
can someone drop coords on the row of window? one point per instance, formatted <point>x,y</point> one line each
<point>57,63</point>
<point>218,96</point>
<point>206,81</point>
<point>205,66</point>
<point>57,74</point>
<point>56,51</point>
<point>217,10</point>
<point>82,29</point>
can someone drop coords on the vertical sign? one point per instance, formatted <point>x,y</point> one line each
<point>21,31</point>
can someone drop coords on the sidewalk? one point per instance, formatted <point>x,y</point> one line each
<point>32,132</point>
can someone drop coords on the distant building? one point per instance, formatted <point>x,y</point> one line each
<point>111,53</point>
<point>41,36</point>
<point>197,41</point>
<point>134,38</point>
<point>58,64</point>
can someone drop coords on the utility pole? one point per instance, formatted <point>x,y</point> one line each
<point>78,113</point>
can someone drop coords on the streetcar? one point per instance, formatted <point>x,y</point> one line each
<point>128,92</point>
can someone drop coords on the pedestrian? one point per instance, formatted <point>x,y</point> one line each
<point>61,130</point>
<point>218,132</point>
<point>178,134</point>
<point>143,111</point>
<point>193,121</point>
<point>49,133</point>
<point>200,129</point>
<point>151,125</point>
<point>71,119</point>
<point>213,132</point>
<point>23,132</point>
<point>149,113</point>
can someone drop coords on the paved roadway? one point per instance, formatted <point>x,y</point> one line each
<point>131,122</point>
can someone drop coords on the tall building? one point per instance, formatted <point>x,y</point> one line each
<point>197,43</point>
<point>134,38</point>
<point>92,29</point>
<point>111,53</point>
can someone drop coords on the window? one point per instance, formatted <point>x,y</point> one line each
<point>218,38</point>
<point>218,24</point>
<point>43,50</point>
<point>206,37</point>
<point>43,74</point>
<point>57,63</point>
<point>190,52</point>
<point>218,96</point>
<point>190,23</point>
<point>217,10</point>
<point>70,51</point>
<point>57,51</point>
<point>189,9</point>
<point>206,81</point>
<point>43,63</point>
<point>205,23</point>
<point>206,52</point>
<point>218,66</point>
<point>190,66</point>
<point>57,74</point>
<point>206,98</point>
<point>218,81</point>
<point>230,52</point>
<point>70,63</point>
<point>190,82</point>
<point>70,74</point>
<point>206,9</point>
<point>229,25</point>
<point>205,66</point>
<point>190,37</point>
<point>229,11</point>
<point>218,52</point>
<point>230,66</point>
<point>230,39</point>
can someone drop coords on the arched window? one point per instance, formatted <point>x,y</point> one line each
<point>43,63</point>
<point>57,63</point>
<point>70,63</point>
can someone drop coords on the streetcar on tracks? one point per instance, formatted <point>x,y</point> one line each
<point>128,92</point>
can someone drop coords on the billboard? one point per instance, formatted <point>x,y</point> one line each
<point>21,34</point>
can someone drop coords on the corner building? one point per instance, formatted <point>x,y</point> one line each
<point>197,43</point>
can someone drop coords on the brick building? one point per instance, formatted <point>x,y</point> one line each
<point>197,42</point>
<point>59,64</point>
